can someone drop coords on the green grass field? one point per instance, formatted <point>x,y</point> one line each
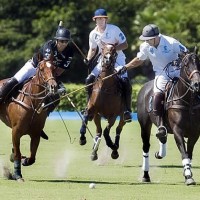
<point>63,171</point>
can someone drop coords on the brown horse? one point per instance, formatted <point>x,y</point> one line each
<point>106,101</point>
<point>182,116</point>
<point>23,113</point>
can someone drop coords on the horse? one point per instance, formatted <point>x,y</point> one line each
<point>182,115</point>
<point>106,101</point>
<point>23,113</point>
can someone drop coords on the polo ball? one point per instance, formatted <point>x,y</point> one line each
<point>92,185</point>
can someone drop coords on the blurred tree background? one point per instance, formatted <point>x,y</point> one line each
<point>26,24</point>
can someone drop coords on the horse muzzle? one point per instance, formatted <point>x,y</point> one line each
<point>52,88</point>
<point>196,86</point>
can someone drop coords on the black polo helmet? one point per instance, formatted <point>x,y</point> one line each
<point>150,31</point>
<point>63,34</point>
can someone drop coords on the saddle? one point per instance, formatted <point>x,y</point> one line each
<point>167,95</point>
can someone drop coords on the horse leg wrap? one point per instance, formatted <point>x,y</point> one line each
<point>17,169</point>
<point>97,141</point>
<point>145,164</point>
<point>187,167</point>
<point>162,150</point>
<point>84,124</point>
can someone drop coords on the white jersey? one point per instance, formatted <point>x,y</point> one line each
<point>111,35</point>
<point>167,51</point>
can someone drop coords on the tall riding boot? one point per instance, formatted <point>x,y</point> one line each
<point>7,87</point>
<point>127,89</point>
<point>158,110</point>
<point>89,80</point>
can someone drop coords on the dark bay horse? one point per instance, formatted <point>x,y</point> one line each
<point>182,115</point>
<point>106,101</point>
<point>23,113</point>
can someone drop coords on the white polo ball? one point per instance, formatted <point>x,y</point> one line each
<point>92,185</point>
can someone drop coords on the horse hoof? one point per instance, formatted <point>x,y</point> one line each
<point>44,135</point>
<point>190,181</point>
<point>157,155</point>
<point>94,156</point>
<point>146,180</point>
<point>12,157</point>
<point>27,161</point>
<point>114,155</point>
<point>20,180</point>
<point>162,135</point>
<point>82,140</point>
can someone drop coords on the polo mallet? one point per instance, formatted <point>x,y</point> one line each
<point>66,128</point>
<point>48,104</point>
<point>60,24</point>
<point>79,49</point>
<point>79,114</point>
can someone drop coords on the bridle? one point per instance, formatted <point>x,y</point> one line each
<point>185,62</point>
<point>188,59</point>
<point>109,57</point>
<point>40,74</point>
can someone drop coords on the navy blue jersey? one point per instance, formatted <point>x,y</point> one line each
<point>61,60</point>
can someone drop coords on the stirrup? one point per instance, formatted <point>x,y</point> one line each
<point>127,117</point>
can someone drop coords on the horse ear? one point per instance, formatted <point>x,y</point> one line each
<point>196,50</point>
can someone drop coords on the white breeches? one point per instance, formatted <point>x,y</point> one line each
<point>120,62</point>
<point>161,80</point>
<point>27,71</point>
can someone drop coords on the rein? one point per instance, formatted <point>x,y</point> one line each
<point>41,95</point>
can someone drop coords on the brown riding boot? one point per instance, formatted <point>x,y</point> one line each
<point>127,90</point>
<point>158,109</point>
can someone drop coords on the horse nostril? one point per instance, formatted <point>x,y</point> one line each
<point>196,86</point>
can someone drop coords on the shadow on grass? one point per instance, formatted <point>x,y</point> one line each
<point>106,182</point>
<point>162,166</point>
